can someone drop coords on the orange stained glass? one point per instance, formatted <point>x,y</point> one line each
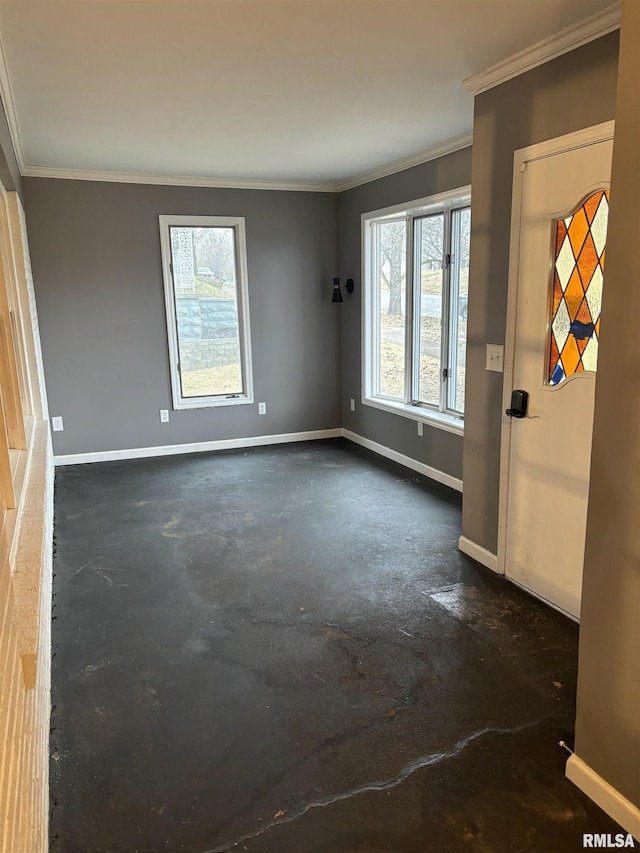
<point>590,206</point>
<point>574,294</point>
<point>578,230</point>
<point>570,355</point>
<point>588,259</point>
<point>557,293</point>
<point>584,315</point>
<point>555,355</point>
<point>579,243</point>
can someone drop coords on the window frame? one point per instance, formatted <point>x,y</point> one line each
<point>442,416</point>
<point>180,402</point>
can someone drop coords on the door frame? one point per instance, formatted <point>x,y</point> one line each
<point>523,156</point>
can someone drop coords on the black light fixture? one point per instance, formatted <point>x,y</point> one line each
<point>337,293</point>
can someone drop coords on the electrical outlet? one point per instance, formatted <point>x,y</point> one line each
<point>164,416</point>
<point>353,405</point>
<point>262,408</point>
<point>420,427</point>
<point>57,424</point>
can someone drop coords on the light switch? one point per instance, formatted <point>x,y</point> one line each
<point>495,357</point>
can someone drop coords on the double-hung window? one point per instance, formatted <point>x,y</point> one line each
<point>204,262</point>
<point>416,274</point>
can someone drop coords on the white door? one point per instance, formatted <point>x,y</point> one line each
<point>557,274</point>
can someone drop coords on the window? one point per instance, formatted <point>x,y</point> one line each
<point>579,244</point>
<point>416,271</point>
<point>204,262</point>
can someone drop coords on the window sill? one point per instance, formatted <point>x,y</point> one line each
<point>439,420</point>
<point>211,402</point>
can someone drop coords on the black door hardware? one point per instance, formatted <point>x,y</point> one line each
<point>519,400</point>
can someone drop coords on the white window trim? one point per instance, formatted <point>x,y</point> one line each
<point>237,223</point>
<point>431,417</point>
<point>442,420</point>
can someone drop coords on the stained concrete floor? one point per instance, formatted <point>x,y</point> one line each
<point>281,650</point>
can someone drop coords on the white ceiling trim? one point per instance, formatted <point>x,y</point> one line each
<point>568,39</point>
<point>6,92</point>
<point>175,180</point>
<point>544,51</point>
<point>448,147</point>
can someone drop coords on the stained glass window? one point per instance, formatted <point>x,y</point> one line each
<point>580,241</point>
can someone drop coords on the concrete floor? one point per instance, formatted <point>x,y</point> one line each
<point>282,651</point>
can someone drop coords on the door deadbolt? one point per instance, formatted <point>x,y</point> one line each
<point>519,400</point>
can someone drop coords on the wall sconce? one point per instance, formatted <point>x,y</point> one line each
<point>337,293</point>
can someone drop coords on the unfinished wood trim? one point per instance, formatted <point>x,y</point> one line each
<point>9,378</point>
<point>25,567</point>
<point>7,494</point>
<point>29,669</point>
<point>37,404</point>
<point>17,311</point>
<point>23,383</point>
<point>14,420</point>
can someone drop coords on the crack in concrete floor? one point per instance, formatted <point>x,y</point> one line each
<point>382,785</point>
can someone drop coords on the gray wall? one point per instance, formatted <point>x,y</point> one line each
<point>440,449</point>
<point>572,92</point>
<point>95,250</point>
<point>608,712</point>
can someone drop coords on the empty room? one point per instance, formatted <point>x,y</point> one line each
<point>292,558</point>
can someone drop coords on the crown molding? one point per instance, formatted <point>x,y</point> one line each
<point>174,180</point>
<point>448,147</point>
<point>550,48</point>
<point>6,92</point>
<point>566,40</point>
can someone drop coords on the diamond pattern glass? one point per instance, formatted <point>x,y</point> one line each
<point>580,243</point>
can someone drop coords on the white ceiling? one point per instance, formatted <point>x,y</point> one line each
<point>246,90</point>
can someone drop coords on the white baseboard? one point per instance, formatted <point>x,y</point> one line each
<point>477,552</point>
<point>407,461</point>
<point>258,441</point>
<point>195,447</point>
<point>610,800</point>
